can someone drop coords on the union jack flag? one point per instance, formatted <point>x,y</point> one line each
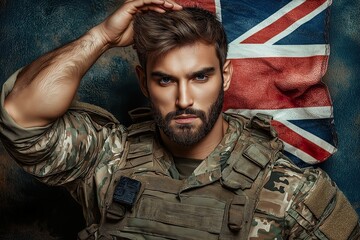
<point>280,51</point>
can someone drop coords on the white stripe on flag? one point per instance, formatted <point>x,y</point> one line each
<point>218,10</point>
<point>311,137</point>
<point>290,113</point>
<point>274,17</point>
<point>265,50</point>
<point>298,23</point>
<point>300,154</point>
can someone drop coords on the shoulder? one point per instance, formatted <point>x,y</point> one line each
<point>280,186</point>
<point>310,202</point>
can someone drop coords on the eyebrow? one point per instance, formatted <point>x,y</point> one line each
<point>204,71</point>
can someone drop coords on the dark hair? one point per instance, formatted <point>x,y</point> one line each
<point>157,33</point>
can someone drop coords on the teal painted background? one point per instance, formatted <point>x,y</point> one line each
<point>29,28</point>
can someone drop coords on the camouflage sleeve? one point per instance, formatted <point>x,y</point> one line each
<point>321,211</point>
<point>65,150</point>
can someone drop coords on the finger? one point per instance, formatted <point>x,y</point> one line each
<point>152,8</point>
<point>160,6</point>
<point>164,4</point>
<point>172,5</point>
<point>155,8</point>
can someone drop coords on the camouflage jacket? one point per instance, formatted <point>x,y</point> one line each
<point>83,150</point>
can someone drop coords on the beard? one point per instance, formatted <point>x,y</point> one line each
<point>188,134</point>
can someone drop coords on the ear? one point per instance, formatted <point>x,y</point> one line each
<point>141,75</point>
<point>227,74</point>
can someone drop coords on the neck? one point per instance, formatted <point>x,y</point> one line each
<point>203,148</point>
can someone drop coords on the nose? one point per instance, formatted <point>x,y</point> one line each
<point>184,97</point>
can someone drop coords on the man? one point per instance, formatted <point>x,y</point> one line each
<point>192,173</point>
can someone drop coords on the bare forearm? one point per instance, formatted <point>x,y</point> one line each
<point>44,89</point>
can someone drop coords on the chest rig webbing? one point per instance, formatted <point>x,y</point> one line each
<point>164,209</point>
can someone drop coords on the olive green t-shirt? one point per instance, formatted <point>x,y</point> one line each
<point>186,166</point>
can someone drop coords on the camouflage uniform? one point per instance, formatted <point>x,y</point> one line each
<point>87,152</point>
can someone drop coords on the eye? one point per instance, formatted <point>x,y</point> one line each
<point>201,77</point>
<point>165,80</point>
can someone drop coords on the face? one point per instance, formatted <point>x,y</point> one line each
<point>186,88</point>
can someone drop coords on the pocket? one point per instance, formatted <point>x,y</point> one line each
<point>164,215</point>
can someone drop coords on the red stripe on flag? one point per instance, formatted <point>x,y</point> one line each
<point>296,140</point>
<point>277,83</point>
<point>284,22</point>
<point>206,4</point>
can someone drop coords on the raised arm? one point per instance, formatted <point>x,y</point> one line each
<point>45,89</point>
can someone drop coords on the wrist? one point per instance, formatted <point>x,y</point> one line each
<point>98,38</point>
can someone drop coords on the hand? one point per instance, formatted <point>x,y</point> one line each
<point>116,30</point>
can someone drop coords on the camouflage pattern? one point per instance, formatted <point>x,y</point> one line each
<point>83,154</point>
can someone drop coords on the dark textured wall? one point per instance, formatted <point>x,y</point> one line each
<point>29,28</point>
<point>343,81</point>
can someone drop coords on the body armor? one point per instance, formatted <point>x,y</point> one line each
<point>166,208</point>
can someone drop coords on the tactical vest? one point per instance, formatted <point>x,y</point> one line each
<point>145,202</point>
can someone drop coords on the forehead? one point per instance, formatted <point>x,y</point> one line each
<point>186,58</point>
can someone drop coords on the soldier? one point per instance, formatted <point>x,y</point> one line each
<point>190,173</point>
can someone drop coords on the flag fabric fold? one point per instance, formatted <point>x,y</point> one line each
<point>280,52</point>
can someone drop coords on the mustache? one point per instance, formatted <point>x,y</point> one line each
<point>199,113</point>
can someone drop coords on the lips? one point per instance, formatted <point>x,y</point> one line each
<point>185,118</point>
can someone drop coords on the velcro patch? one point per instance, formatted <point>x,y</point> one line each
<point>254,153</point>
<point>320,197</point>
<point>126,191</point>
<point>342,221</point>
